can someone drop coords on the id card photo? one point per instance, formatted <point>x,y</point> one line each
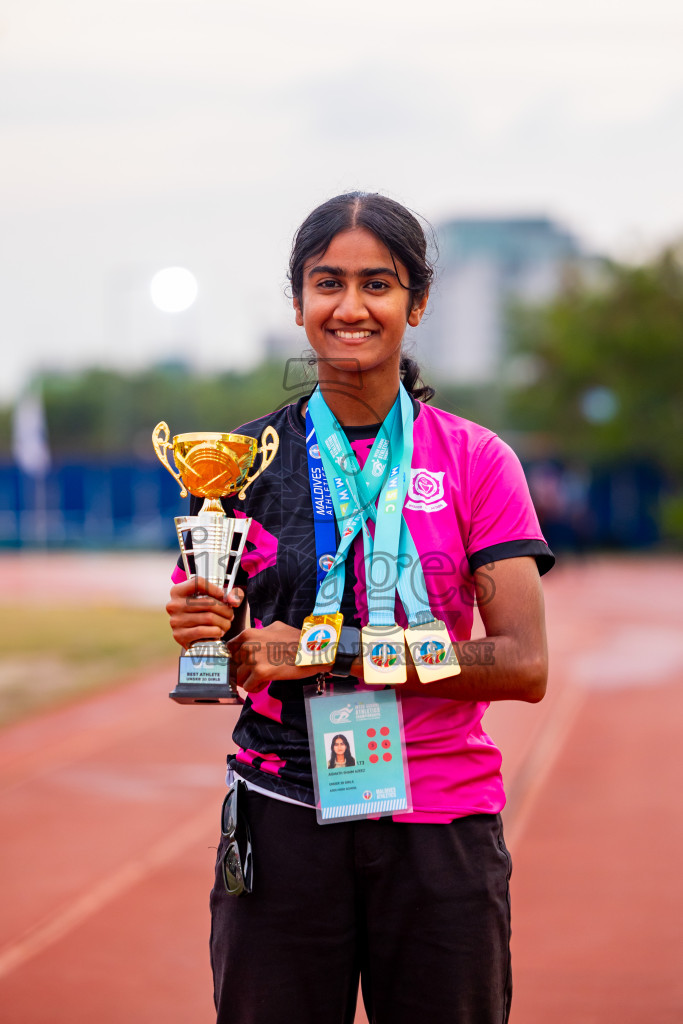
<point>342,749</point>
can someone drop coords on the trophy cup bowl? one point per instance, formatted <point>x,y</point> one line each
<point>211,466</point>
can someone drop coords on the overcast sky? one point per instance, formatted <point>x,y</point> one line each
<point>145,133</point>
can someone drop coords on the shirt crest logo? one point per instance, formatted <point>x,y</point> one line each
<point>426,493</point>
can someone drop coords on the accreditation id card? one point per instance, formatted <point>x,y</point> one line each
<point>358,754</point>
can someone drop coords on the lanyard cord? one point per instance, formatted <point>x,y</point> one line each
<point>353,495</point>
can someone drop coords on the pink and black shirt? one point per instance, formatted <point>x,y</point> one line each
<point>468,506</point>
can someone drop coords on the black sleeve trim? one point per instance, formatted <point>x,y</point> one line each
<point>537,549</point>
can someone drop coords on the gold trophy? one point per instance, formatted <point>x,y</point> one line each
<point>211,466</point>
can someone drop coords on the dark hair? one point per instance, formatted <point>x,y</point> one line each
<point>349,759</point>
<point>392,224</point>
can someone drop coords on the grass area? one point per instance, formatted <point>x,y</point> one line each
<point>73,650</point>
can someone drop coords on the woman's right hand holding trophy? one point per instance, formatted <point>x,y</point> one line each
<point>200,610</point>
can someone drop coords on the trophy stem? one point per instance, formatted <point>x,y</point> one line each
<point>209,649</point>
<point>211,545</point>
<point>215,542</point>
<point>213,505</point>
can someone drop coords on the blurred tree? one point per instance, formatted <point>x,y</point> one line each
<point>101,412</point>
<point>483,403</point>
<point>5,430</point>
<point>599,371</point>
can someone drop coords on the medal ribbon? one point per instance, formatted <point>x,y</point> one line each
<point>354,493</point>
<point>341,470</point>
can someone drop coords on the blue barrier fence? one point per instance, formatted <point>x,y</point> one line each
<point>90,505</point>
<point>129,504</point>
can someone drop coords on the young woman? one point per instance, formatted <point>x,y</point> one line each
<point>340,753</point>
<point>415,904</point>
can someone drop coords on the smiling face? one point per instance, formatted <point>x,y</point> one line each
<point>354,307</point>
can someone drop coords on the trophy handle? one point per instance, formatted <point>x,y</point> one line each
<point>270,442</point>
<point>160,439</point>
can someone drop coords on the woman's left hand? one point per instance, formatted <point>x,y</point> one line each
<point>265,654</point>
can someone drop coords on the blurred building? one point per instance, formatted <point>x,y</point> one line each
<point>485,264</point>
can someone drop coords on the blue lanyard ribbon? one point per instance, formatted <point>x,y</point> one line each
<point>323,509</point>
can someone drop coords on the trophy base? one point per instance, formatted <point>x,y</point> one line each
<point>204,676</point>
<point>196,693</point>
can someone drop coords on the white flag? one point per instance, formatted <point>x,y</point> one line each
<point>29,435</point>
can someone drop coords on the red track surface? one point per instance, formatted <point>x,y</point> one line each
<point>109,808</point>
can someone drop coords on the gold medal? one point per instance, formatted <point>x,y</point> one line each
<point>384,655</point>
<point>432,652</point>
<point>319,639</point>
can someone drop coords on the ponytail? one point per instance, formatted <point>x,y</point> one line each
<point>411,378</point>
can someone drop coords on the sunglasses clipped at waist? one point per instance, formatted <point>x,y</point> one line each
<point>238,860</point>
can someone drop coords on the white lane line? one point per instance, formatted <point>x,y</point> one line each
<point>83,729</point>
<point>58,925</point>
<point>634,655</point>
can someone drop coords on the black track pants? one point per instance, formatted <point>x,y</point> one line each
<point>420,912</point>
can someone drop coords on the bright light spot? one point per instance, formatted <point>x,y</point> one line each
<point>599,405</point>
<point>173,289</point>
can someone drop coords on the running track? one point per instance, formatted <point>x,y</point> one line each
<point>108,811</point>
